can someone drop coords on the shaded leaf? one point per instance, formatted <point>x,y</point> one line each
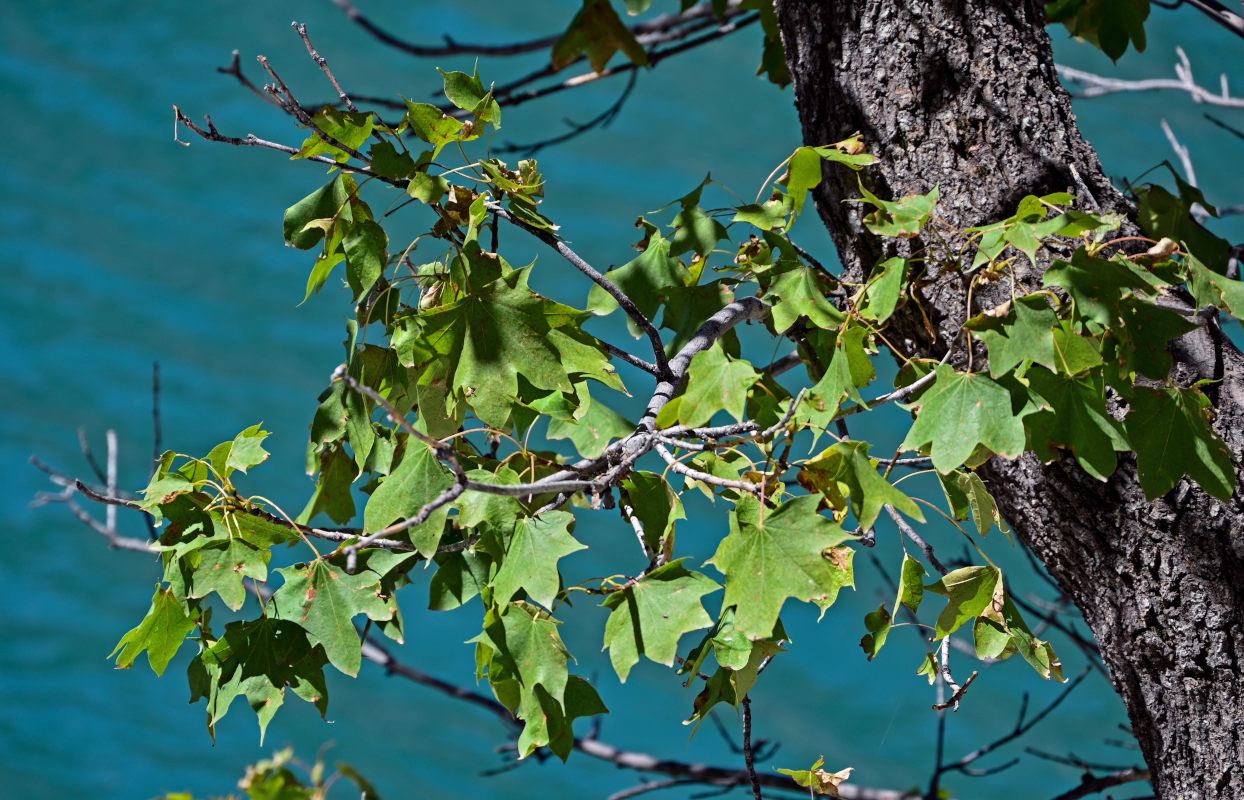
<point>651,615</point>
<point>323,599</point>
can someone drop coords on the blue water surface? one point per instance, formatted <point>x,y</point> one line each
<point>123,247</point>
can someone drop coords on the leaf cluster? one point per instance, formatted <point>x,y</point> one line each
<point>475,419</point>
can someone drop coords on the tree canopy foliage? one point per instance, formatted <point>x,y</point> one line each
<point>474,422</point>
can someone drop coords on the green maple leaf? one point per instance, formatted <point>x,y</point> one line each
<point>1169,430</point>
<point>350,128</point>
<point>969,592</point>
<point>597,32</point>
<point>646,280</point>
<point>885,288</point>
<point>1210,288</point>
<point>245,451</point>
<point>772,214</point>
<point>1140,341</point>
<point>900,218</point>
<point>1076,419</point>
<point>1162,214</point>
<point>418,479</point>
<point>323,599</point>
<point>332,495</point>
<point>849,370</point>
<point>657,506</point>
<point>1096,284</point>
<point>960,411</point>
<point>530,561</point>
<point>459,578</point>
<point>521,651</point>
<point>968,497</point>
<point>1074,353</point>
<point>1025,334</point>
<point>593,429</point>
<point>258,660</point>
<point>324,204</point>
<point>549,721</point>
<point>687,307</point>
<point>221,569</point>
<point>910,593</point>
<point>804,170</point>
<point>504,329</point>
<point>773,554</point>
<point>845,475</point>
<point>1109,24</point>
<point>878,624</point>
<point>715,382</point>
<point>695,231</point>
<point>651,615</point>
<point>799,294</point>
<point>160,634</point>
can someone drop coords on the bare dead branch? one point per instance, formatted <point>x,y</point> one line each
<point>322,63</point>
<point>1098,85</point>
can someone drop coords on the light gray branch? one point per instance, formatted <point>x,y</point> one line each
<point>1098,85</point>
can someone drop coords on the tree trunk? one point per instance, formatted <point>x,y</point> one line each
<point>964,95</point>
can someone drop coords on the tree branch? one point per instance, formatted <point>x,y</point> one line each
<point>1090,785</point>
<point>1097,85</point>
<point>640,31</point>
<point>628,305</point>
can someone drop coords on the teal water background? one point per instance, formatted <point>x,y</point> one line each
<point>122,247</point>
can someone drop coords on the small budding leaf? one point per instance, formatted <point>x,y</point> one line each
<point>845,475</point>
<point>903,218</point>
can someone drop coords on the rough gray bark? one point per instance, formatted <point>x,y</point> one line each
<point>964,95</point>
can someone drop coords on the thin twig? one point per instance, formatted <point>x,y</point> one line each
<point>1021,727</point>
<point>652,786</point>
<point>454,48</point>
<point>322,63</point>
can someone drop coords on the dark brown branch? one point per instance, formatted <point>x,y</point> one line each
<point>235,69</point>
<point>455,48</point>
<point>749,756</point>
<point>653,58</point>
<point>1091,785</point>
<point>916,539</point>
<point>1021,727</point>
<point>601,120</point>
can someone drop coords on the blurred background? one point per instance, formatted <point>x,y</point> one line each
<point>124,248</point>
